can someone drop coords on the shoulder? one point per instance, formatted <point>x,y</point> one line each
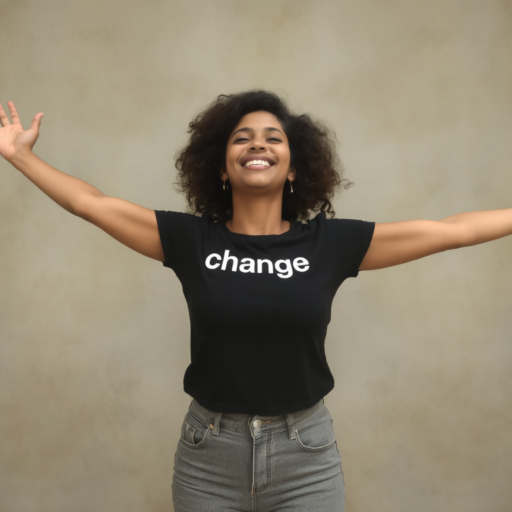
<point>180,226</point>
<point>342,225</point>
<point>172,218</point>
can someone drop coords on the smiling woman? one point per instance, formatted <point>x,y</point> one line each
<point>259,276</point>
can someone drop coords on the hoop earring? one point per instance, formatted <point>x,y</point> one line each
<point>291,188</point>
<point>224,185</point>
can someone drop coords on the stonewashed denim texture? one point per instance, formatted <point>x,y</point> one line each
<point>250,463</point>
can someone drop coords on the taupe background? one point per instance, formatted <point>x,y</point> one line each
<point>95,337</point>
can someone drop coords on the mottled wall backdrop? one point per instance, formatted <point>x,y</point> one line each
<point>95,337</point>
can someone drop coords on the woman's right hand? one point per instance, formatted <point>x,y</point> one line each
<point>13,138</point>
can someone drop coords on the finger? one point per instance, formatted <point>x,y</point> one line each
<point>14,115</point>
<point>36,122</point>
<point>3,117</point>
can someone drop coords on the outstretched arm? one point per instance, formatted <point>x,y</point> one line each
<point>130,224</point>
<point>395,243</point>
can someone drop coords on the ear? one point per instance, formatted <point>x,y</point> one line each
<point>292,173</point>
<point>223,174</point>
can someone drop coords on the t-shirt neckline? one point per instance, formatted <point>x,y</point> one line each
<point>286,234</point>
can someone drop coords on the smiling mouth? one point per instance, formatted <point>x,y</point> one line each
<point>257,164</point>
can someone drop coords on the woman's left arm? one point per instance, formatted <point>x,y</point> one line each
<point>394,243</point>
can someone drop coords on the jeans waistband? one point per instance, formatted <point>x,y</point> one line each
<point>248,421</point>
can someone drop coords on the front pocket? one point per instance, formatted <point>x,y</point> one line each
<point>313,448</point>
<point>317,433</point>
<point>193,432</point>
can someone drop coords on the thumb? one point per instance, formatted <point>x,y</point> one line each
<point>36,122</point>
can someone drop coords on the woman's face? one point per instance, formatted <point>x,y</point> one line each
<point>258,155</point>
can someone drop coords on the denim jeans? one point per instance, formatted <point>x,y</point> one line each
<point>250,463</point>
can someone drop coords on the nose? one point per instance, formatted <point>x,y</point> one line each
<point>258,143</point>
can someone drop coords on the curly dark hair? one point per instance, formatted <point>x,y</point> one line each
<point>312,151</point>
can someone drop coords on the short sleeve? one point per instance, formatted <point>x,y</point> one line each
<point>351,240</point>
<point>178,235</point>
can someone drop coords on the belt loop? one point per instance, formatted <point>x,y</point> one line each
<point>291,430</point>
<point>216,424</point>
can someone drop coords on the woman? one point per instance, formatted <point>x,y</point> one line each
<point>259,285</point>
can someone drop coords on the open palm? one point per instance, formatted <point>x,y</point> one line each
<point>13,138</point>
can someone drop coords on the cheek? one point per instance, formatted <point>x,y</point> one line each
<point>285,157</point>
<point>232,155</point>
<point>230,162</point>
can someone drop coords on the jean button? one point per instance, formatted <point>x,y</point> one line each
<point>256,424</point>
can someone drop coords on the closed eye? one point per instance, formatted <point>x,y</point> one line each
<point>271,138</point>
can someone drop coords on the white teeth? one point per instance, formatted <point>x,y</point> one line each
<point>257,162</point>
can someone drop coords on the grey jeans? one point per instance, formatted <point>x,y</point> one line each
<point>249,463</point>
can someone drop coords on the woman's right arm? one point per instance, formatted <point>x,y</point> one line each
<point>130,224</point>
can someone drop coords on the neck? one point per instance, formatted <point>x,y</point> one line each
<point>258,216</point>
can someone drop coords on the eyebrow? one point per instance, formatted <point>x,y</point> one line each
<point>269,129</point>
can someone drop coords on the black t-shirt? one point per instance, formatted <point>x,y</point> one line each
<point>259,307</point>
